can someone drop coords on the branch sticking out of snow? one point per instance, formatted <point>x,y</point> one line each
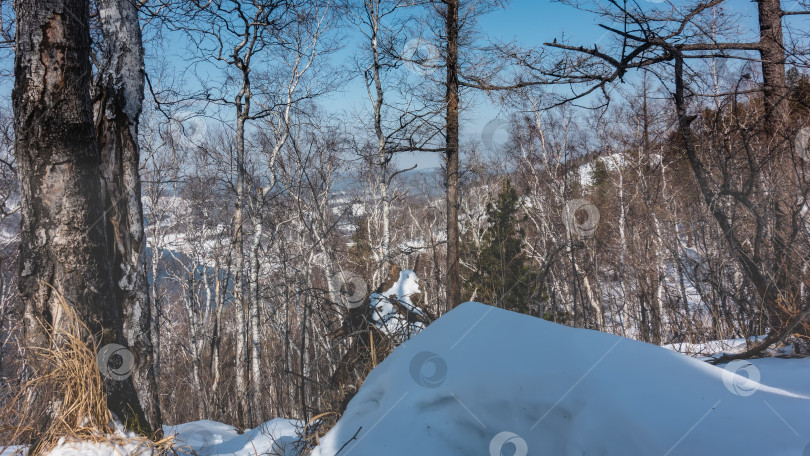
<point>393,311</point>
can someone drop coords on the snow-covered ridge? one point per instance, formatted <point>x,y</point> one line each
<point>482,380</point>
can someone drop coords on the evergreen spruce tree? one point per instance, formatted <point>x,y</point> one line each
<point>361,254</point>
<point>504,276</point>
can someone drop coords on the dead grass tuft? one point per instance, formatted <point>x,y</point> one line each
<point>64,400</point>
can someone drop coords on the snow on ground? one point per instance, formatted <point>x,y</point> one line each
<point>209,438</point>
<point>203,438</point>
<point>385,315</point>
<point>482,380</point>
<point>121,443</point>
<point>713,348</point>
<point>87,448</point>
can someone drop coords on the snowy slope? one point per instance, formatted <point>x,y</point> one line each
<point>481,380</point>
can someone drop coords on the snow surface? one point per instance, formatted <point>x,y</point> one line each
<point>716,348</point>
<point>209,438</point>
<point>122,442</point>
<point>385,315</point>
<point>203,438</point>
<point>482,380</point>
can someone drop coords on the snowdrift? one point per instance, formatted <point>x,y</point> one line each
<point>209,438</point>
<point>482,380</point>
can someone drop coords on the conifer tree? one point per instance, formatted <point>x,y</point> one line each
<point>503,275</point>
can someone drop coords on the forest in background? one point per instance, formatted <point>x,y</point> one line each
<point>652,186</point>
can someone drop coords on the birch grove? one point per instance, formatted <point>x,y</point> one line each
<point>210,213</point>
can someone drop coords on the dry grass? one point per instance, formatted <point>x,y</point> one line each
<point>65,399</point>
<point>367,348</point>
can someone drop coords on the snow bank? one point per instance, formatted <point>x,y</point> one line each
<point>88,448</point>
<point>482,380</point>
<point>209,438</point>
<point>122,442</point>
<point>718,348</point>
<point>201,438</point>
<point>385,315</point>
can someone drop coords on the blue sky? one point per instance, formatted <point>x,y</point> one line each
<point>528,22</point>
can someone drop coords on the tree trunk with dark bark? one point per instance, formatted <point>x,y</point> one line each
<point>63,234</point>
<point>772,51</point>
<point>451,153</point>
<point>121,91</point>
<point>777,113</point>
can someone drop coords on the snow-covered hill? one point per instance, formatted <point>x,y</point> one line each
<point>481,380</point>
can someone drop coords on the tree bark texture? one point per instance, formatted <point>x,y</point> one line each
<point>451,153</point>
<point>121,89</point>
<point>772,51</point>
<point>63,234</point>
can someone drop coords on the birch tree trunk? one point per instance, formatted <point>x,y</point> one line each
<point>117,116</point>
<point>220,292</point>
<point>382,153</point>
<point>243,53</point>
<point>255,335</point>
<point>196,339</point>
<point>63,234</point>
<point>155,301</point>
<point>238,288</point>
